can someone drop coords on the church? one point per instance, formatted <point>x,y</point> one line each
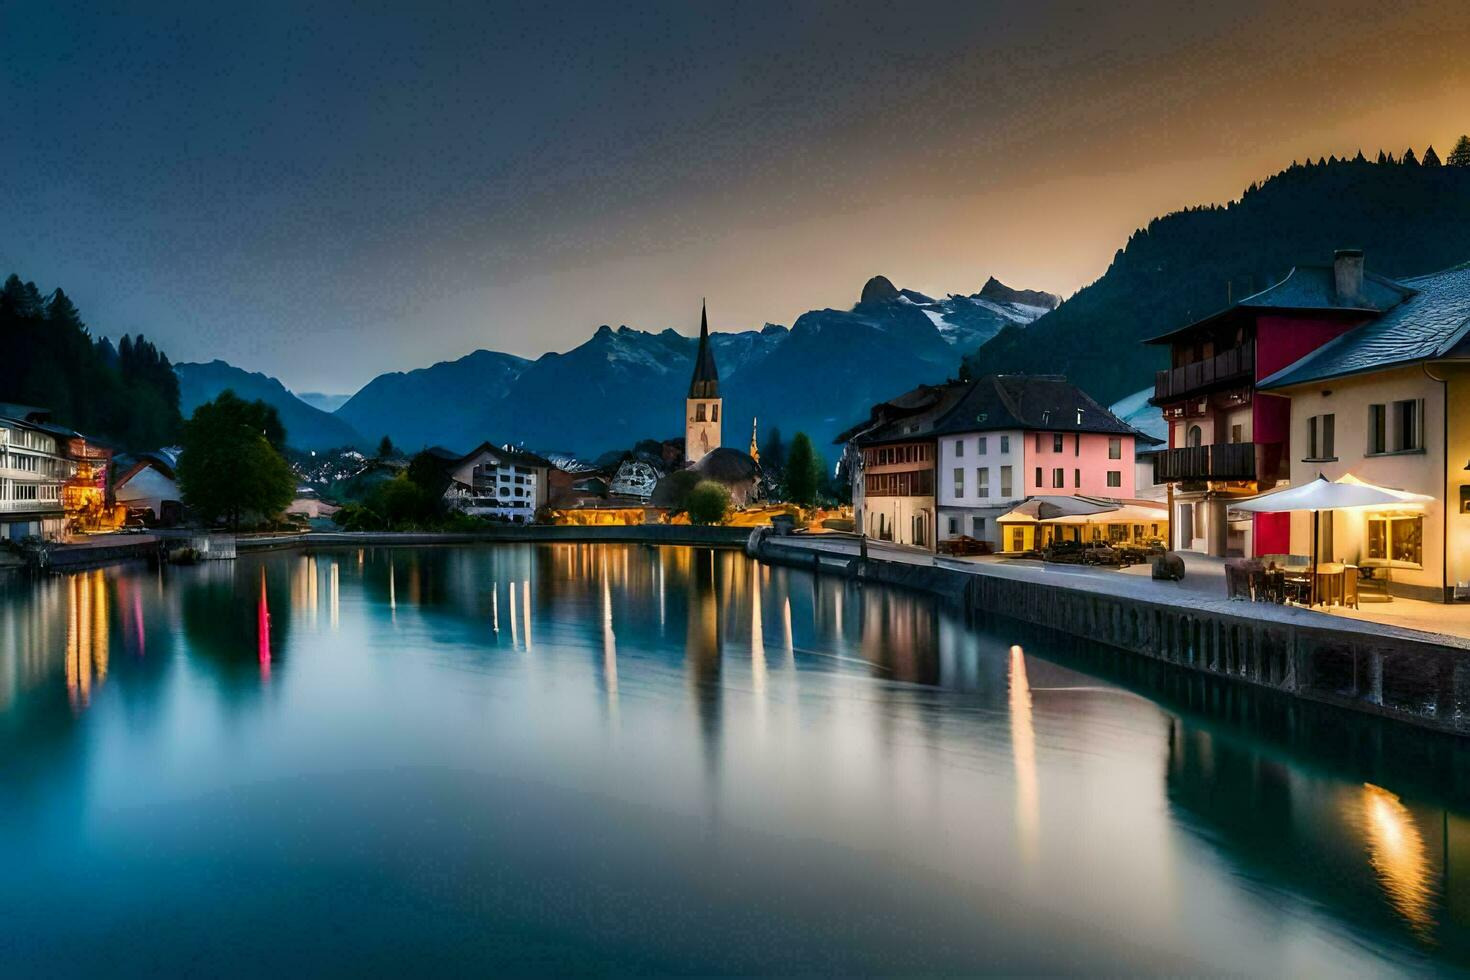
<point>738,471</point>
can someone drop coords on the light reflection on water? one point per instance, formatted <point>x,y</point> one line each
<point>582,756</point>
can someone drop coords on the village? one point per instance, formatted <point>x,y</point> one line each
<point>1309,445</point>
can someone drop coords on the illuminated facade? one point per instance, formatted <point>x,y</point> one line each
<point>34,470</point>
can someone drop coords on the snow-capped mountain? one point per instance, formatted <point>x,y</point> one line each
<point>625,384</point>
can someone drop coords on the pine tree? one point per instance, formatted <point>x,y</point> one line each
<point>1460,155</point>
<point>1431,159</point>
<point>1360,158</point>
<point>803,474</point>
<point>1383,157</point>
<point>1409,159</point>
<point>385,448</point>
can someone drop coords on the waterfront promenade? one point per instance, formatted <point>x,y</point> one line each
<point>1394,671</point>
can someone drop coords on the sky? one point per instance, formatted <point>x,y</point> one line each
<point>326,192</point>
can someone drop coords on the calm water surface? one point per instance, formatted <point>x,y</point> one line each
<point>627,758</point>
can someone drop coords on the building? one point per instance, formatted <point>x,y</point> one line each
<point>491,481</point>
<point>1388,402</point>
<point>145,485</point>
<point>35,465</point>
<point>890,459</point>
<point>702,406</point>
<point>1012,437</point>
<point>1228,439</point>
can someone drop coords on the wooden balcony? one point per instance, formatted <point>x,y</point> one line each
<point>1238,461</point>
<point>1231,366</point>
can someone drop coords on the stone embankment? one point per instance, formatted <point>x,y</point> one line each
<point>1413,677</point>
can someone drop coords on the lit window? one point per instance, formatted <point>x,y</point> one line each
<point>1397,539</point>
<point>1005,481</point>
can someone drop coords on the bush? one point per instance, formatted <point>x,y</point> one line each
<point>708,503</point>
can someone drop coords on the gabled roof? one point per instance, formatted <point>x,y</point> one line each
<point>1309,288</point>
<point>912,413</point>
<point>515,456</point>
<point>706,380</point>
<point>1431,323</point>
<point>1047,403</point>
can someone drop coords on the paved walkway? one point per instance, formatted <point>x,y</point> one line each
<point>1203,588</point>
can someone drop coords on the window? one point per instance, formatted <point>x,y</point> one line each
<point>982,446</point>
<point>982,481</point>
<point>1237,434</point>
<point>1038,442</point>
<point>699,412</point>
<point>1320,437</point>
<point>1038,476</point>
<point>1377,429</point>
<point>1077,443</point>
<point>1194,437</point>
<point>714,412</point>
<point>1056,443</point>
<point>1005,481</point>
<point>977,526</point>
<point>1115,448</point>
<point>1058,478</point>
<point>954,526</point>
<point>1115,478</point>
<point>959,481</point>
<point>1005,444</point>
<point>1407,429</point>
<point>1077,479</point>
<point>959,447</point>
<point>1397,539</point>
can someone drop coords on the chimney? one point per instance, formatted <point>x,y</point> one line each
<point>1347,270</point>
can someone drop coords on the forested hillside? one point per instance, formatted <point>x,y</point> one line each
<point>1411,218</point>
<point>126,395</point>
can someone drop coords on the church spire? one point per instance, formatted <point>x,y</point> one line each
<point>706,380</point>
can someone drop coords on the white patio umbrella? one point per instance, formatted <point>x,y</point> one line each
<point>1321,494</point>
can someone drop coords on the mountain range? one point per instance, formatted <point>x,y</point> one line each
<point>624,384</point>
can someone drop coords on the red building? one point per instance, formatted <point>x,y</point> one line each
<point>1227,439</point>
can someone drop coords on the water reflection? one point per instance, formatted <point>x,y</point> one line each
<point>1023,744</point>
<point>906,783</point>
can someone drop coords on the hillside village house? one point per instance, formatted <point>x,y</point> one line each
<point>1228,438</point>
<point>146,483</point>
<point>34,467</point>
<point>490,481</point>
<point>1389,403</point>
<point>941,462</point>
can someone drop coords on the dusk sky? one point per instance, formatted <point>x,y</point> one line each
<point>331,194</point>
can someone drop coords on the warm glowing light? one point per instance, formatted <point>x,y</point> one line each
<point>526,610</point>
<point>513,629</point>
<point>334,596</point>
<point>1397,853</point>
<point>1023,748</point>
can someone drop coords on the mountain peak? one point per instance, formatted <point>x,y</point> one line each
<point>879,290</point>
<point>999,292</point>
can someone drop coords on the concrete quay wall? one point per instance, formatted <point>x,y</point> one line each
<point>1416,681</point>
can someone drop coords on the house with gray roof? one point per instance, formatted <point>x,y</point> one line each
<point>1388,402</point>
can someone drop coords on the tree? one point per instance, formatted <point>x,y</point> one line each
<point>230,467</point>
<point>673,490</point>
<point>773,453</point>
<point>385,448</point>
<point>1409,159</point>
<point>1460,155</point>
<point>708,502</point>
<point>1431,159</point>
<point>803,471</point>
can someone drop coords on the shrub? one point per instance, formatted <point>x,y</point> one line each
<point>708,503</point>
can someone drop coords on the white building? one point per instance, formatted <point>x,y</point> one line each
<point>493,482</point>
<point>33,466</point>
<point>147,482</point>
<point>980,478</point>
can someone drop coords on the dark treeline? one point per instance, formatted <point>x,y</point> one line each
<point>127,395</point>
<point>1411,215</point>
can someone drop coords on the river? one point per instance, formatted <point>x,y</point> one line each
<point>624,758</point>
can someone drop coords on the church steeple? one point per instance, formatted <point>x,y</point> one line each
<point>706,380</point>
<point>702,407</point>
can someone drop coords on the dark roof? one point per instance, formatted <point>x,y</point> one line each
<point>1047,403</point>
<point>1309,287</point>
<point>726,465</point>
<point>514,456</point>
<point>1431,323</point>
<point>706,380</point>
<point>23,413</point>
<point>913,410</point>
